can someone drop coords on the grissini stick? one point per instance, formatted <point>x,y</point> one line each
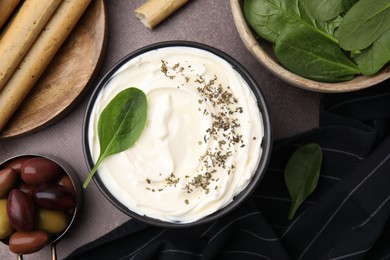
<point>21,34</point>
<point>39,56</point>
<point>154,12</point>
<point>6,9</point>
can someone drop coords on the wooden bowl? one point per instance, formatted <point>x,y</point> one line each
<point>262,51</point>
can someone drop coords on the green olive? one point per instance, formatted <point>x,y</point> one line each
<point>52,221</point>
<point>5,225</point>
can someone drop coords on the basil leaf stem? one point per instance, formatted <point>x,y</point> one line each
<point>302,173</point>
<point>120,124</point>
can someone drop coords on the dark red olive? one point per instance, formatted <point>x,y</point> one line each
<point>54,196</point>
<point>40,170</point>
<point>21,210</point>
<point>29,189</point>
<point>16,163</point>
<point>28,242</point>
<point>67,183</point>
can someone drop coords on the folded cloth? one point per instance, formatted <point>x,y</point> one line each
<point>346,217</point>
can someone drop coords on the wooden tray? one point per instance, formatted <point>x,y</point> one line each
<point>67,77</point>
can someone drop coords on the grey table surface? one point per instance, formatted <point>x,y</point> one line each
<point>292,110</point>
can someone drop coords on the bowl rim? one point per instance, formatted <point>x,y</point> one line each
<point>266,142</point>
<point>269,62</point>
<point>74,178</point>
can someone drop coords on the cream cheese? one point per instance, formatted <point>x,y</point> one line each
<point>201,143</point>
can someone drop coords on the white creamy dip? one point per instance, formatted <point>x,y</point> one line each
<point>201,143</point>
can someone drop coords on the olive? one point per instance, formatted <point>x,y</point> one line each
<point>52,221</point>
<point>28,242</point>
<point>16,163</point>
<point>6,228</point>
<point>21,210</point>
<point>8,179</point>
<point>67,183</point>
<point>54,196</point>
<point>29,189</point>
<point>40,170</point>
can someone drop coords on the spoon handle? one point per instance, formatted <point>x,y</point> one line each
<point>53,251</point>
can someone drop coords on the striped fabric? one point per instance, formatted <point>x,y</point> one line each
<point>347,216</point>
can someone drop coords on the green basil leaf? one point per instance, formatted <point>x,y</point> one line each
<point>375,57</point>
<point>364,23</point>
<point>269,18</point>
<point>302,173</point>
<point>313,56</point>
<point>324,10</point>
<point>347,4</point>
<point>120,124</point>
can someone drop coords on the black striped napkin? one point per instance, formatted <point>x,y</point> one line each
<point>347,216</point>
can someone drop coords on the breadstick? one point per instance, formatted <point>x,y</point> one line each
<point>153,12</point>
<point>21,34</point>
<point>39,56</point>
<point>6,9</point>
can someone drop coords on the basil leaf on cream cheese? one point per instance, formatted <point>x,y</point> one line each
<point>120,124</point>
